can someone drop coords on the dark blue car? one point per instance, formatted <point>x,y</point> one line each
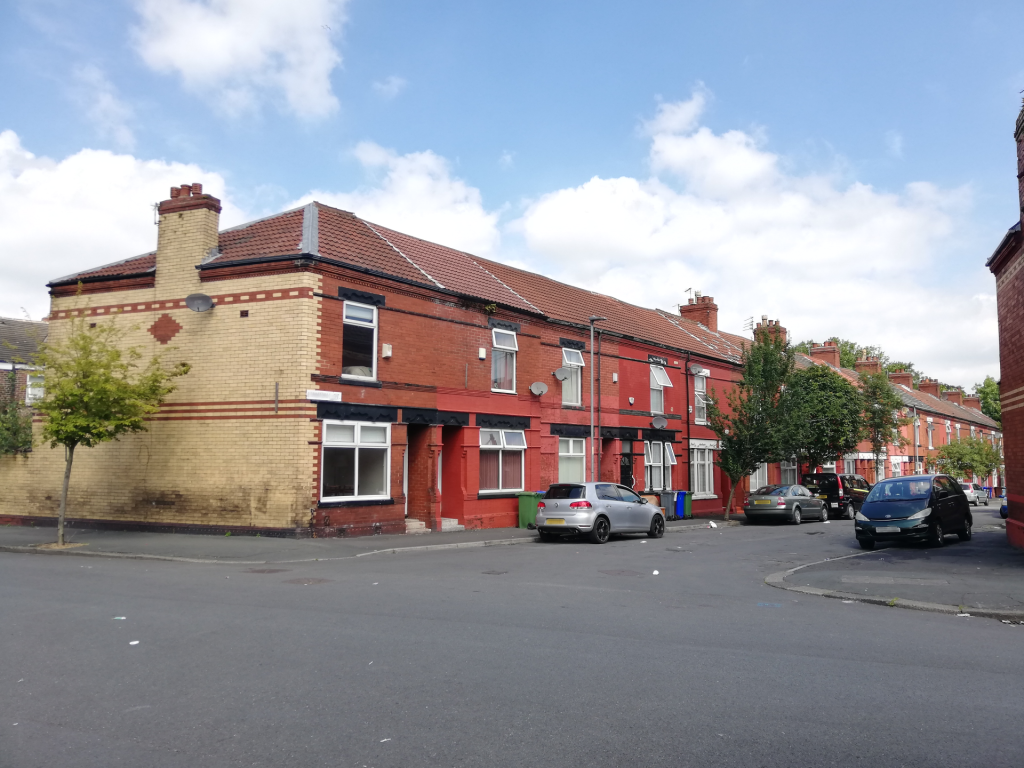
<point>916,508</point>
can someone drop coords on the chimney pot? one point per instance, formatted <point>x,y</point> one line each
<point>197,189</point>
<point>186,190</point>
<point>174,193</point>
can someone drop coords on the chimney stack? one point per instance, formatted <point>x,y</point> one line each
<point>868,365</point>
<point>905,378</point>
<point>929,387</point>
<point>189,223</point>
<point>828,352</point>
<point>972,401</point>
<point>955,396</point>
<point>1018,135</point>
<point>770,327</point>
<point>701,309</point>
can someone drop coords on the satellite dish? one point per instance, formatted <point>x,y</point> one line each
<point>199,302</point>
<point>696,369</point>
<point>561,374</point>
<point>538,388</point>
<point>659,422</point>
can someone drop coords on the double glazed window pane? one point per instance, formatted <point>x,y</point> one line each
<point>572,387</point>
<point>357,348</point>
<point>657,401</point>
<point>371,471</point>
<point>355,460</point>
<point>571,460</point>
<point>501,470</point>
<point>503,370</point>
<point>339,472</point>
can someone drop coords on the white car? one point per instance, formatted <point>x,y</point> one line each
<point>975,493</point>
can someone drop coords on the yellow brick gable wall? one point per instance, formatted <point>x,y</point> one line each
<point>217,453</point>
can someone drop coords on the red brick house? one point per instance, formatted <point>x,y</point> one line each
<point>1007,264</point>
<point>19,341</point>
<point>347,377</point>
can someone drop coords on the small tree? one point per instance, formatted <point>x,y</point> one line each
<point>988,391</point>
<point>966,458</point>
<point>882,421</point>
<point>823,415</point>
<point>15,418</point>
<point>750,432</point>
<point>96,390</point>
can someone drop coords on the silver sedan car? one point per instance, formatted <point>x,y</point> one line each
<point>784,502</point>
<point>975,493</point>
<point>596,510</point>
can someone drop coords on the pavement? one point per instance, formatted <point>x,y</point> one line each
<point>983,577</point>
<point>260,550</point>
<point>670,653</point>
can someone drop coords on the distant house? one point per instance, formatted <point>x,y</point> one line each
<point>19,341</point>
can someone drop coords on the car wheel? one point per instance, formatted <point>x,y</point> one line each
<point>657,527</point>
<point>965,534</point>
<point>824,512</point>
<point>938,536</point>
<point>986,501</point>
<point>866,543</point>
<point>795,519</point>
<point>601,531</point>
<point>850,513</point>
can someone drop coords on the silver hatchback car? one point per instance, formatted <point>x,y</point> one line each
<point>597,510</point>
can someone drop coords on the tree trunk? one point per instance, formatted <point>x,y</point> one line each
<point>64,495</point>
<point>728,504</point>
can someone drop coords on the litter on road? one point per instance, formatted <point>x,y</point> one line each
<point>119,618</point>
<point>655,573</point>
<point>134,642</point>
<point>711,524</point>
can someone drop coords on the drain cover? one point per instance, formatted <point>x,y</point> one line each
<point>307,582</point>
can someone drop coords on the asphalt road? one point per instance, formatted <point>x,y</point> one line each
<point>535,655</point>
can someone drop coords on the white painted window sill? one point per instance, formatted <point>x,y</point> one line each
<point>700,496</point>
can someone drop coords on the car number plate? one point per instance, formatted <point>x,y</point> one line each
<point>762,501</point>
<point>887,529</point>
<point>835,504</point>
<point>555,521</point>
<point>822,497</point>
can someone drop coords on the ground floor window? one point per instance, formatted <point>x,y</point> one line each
<point>658,461</point>
<point>572,460</point>
<point>355,461</point>
<point>788,472</point>
<point>850,466</point>
<point>501,459</point>
<point>703,460</point>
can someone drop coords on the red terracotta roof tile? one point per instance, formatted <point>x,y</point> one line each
<point>272,236</point>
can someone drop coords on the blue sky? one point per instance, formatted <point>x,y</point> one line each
<point>846,168</point>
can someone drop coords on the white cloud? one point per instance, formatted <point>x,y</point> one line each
<point>390,87</point>
<point>507,159</point>
<point>721,214</point>
<point>98,98</point>
<point>894,144</point>
<point>89,209</point>
<point>237,52</point>
<point>417,194</point>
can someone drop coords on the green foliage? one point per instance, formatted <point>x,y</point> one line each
<point>750,430</point>
<point>965,458</point>
<point>822,415</point>
<point>15,418</point>
<point>988,391</point>
<point>96,389</point>
<point>881,406</point>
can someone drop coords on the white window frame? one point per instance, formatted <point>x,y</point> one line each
<point>973,431</point>
<point>700,399</point>
<point>670,461</point>
<point>949,432</point>
<point>357,444</point>
<point>361,324</point>
<point>957,432</point>
<point>786,467</point>
<point>654,456</point>
<point>703,462</point>
<point>503,433</point>
<point>34,389</point>
<point>930,427</point>
<point>572,361</point>
<point>659,382</point>
<point>567,449</point>
<point>896,466</point>
<point>508,349</point>
<point>829,467</point>
<point>849,466</point>
<point>759,477</point>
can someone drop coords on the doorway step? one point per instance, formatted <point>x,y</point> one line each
<point>451,524</point>
<point>412,525</point>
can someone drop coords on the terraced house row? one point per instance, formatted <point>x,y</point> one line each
<point>347,378</point>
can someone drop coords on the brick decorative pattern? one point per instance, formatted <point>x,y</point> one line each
<point>165,328</point>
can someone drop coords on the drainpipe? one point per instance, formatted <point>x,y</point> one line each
<point>597,436</point>
<point>917,435</point>
<point>689,455</point>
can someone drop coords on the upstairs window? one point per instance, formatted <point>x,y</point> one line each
<point>949,432</point>
<point>572,460</point>
<point>34,388</point>
<point>572,387</point>
<point>359,341</point>
<point>700,399</point>
<point>659,380</point>
<point>931,429</point>
<point>501,459</point>
<point>503,360</point>
<point>973,431</point>
<point>355,461</point>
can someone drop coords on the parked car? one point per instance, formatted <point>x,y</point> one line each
<point>784,502</point>
<point>915,508</point>
<point>975,493</point>
<point>1003,511</point>
<point>843,493</point>
<point>596,510</point>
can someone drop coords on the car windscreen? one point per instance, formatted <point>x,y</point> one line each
<point>771,490</point>
<point>901,489</point>
<point>822,483</point>
<point>566,492</point>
